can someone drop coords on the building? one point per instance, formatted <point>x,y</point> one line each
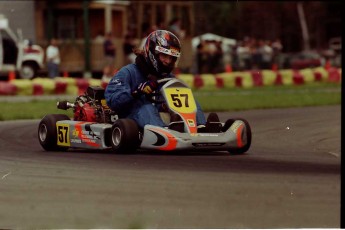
<point>20,15</point>
<point>79,26</point>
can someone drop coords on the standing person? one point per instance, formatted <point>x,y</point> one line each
<point>109,50</point>
<point>147,29</point>
<point>267,54</point>
<point>53,58</point>
<point>277,50</point>
<point>128,47</point>
<point>175,28</point>
<point>127,90</point>
<point>234,57</point>
<point>216,58</point>
<point>247,52</point>
<point>201,57</point>
<point>256,54</point>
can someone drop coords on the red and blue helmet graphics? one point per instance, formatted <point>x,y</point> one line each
<point>162,41</point>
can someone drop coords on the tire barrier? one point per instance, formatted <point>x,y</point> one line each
<point>248,79</point>
<point>7,88</point>
<point>244,79</point>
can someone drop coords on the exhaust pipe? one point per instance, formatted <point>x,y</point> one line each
<point>64,105</point>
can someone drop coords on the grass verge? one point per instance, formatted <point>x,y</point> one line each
<point>315,94</point>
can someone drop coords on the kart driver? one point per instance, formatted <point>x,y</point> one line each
<point>126,91</point>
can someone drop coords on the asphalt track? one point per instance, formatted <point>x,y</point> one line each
<point>289,178</point>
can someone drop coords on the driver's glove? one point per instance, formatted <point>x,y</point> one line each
<point>146,88</point>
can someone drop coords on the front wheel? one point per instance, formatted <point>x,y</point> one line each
<point>125,136</point>
<point>47,133</point>
<point>244,136</point>
<point>27,71</point>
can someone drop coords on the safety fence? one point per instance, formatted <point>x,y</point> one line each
<point>244,79</point>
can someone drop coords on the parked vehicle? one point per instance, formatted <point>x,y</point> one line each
<point>302,60</point>
<point>17,54</point>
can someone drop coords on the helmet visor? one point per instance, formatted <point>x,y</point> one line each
<point>172,52</point>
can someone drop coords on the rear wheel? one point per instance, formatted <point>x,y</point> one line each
<point>245,136</point>
<point>47,134</point>
<point>125,136</point>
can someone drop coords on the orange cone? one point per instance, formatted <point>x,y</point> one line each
<point>328,65</point>
<point>274,67</point>
<point>228,68</point>
<point>11,75</point>
<point>65,74</point>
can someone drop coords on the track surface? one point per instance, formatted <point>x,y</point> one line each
<point>290,178</point>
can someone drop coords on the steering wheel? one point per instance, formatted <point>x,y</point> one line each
<point>151,96</point>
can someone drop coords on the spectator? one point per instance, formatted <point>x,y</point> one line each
<point>201,57</point>
<point>53,58</point>
<point>109,50</point>
<point>147,29</point>
<point>256,53</point>
<point>128,47</point>
<point>267,53</point>
<point>216,57</point>
<point>175,28</point>
<point>244,55</point>
<point>234,57</point>
<point>107,74</point>
<point>99,37</point>
<point>277,49</point>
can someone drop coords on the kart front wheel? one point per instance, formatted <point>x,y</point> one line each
<point>125,136</point>
<point>47,133</point>
<point>245,136</point>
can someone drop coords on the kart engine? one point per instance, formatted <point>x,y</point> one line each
<point>90,107</point>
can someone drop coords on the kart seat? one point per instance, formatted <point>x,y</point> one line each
<point>95,92</point>
<point>213,125</point>
<point>176,123</point>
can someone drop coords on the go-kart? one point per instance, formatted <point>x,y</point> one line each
<point>96,126</point>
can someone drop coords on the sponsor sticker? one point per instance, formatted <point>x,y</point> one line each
<point>173,52</point>
<point>191,123</point>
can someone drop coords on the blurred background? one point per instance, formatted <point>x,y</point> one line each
<point>216,36</point>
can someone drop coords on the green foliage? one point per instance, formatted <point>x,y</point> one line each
<point>269,20</point>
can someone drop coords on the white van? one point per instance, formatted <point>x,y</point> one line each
<point>17,54</point>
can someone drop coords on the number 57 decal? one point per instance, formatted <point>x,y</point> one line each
<point>180,100</point>
<point>63,135</point>
<point>177,101</point>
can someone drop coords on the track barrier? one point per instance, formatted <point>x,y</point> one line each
<point>226,80</point>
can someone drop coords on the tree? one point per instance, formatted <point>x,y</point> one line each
<point>271,20</point>
<point>304,26</point>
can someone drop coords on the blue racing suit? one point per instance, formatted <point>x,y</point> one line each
<point>118,95</point>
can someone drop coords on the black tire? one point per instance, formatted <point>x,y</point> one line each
<point>125,136</point>
<point>47,134</point>
<point>248,133</point>
<point>27,71</point>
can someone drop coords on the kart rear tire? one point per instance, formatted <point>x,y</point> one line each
<point>248,133</point>
<point>47,134</point>
<point>125,136</point>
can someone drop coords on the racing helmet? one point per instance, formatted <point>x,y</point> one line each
<point>162,41</point>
